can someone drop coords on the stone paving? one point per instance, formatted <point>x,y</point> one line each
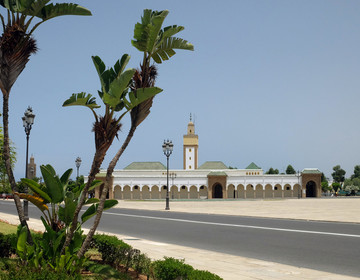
<point>231,267</point>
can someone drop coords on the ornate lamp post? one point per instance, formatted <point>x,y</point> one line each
<point>28,121</point>
<point>167,149</point>
<point>77,163</point>
<point>298,176</point>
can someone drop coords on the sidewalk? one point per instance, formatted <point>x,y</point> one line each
<point>232,267</point>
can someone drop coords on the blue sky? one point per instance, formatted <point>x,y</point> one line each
<point>270,82</point>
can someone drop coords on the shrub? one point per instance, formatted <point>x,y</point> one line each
<point>14,271</point>
<point>7,244</point>
<point>203,275</point>
<point>113,250</point>
<point>170,269</point>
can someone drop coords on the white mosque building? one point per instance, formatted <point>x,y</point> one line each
<point>211,180</point>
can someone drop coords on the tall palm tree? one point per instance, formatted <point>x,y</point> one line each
<point>157,44</point>
<point>16,47</point>
<point>118,100</point>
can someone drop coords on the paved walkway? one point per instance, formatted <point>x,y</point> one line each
<point>233,267</point>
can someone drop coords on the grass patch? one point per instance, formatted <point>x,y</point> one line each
<point>6,228</point>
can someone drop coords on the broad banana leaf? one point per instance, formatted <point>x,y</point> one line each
<point>139,96</point>
<point>21,242</point>
<point>36,188</point>
<point>81,99</point>
<point>91,211</point>
<point>53,184</point>
<point>64,179</point>
<point>166,49</point>
<point>36,200</point>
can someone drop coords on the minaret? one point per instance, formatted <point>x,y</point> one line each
<point>191,146</point>
<point>31,168</point>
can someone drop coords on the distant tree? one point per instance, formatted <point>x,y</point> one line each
<point>336,186</point>
<point>272,171</point>
<point>290,170</point>
<point>325,186</point>
<point>4,179</point>
<point>356,172</point>
<point>323,178</point>
<point>230,167</point>
<point>338,174</point>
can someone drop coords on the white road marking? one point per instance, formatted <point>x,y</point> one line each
<point>234,225</point>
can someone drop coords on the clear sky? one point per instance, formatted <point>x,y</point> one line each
<point>270,82</point>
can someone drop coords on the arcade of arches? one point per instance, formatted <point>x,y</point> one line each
<point>219,188</point>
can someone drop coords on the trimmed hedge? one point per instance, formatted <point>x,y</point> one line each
<point>171,269</point>
<point>7,244</point>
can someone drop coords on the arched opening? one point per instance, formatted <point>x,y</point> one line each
<point>240,191</point>
<point>183,192</point>
<point>136,192</point>
<point>145,192</point>
<point>311,189</point>
<point>259,192</point>
<point>231,191</point>
<point>278,191</point>
<point>163,192</point>
<point>203,192</point>
<point>127,192</point>
<point>193,192</point>
<point>250,192</point>
<point>268,191</point>
<point>117,192</point>
<point>174,192</point>
<point>217,191</point>
<point>155,194</point>
<point>287,190</point>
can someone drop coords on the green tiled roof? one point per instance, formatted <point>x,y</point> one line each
<point>311,171</point>
<point>213,165</point>
<point>253,166</point>
<point>145,166</point>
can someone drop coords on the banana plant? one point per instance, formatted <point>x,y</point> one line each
<point>62,200</point>
<point>21,19</point>
<point>118,100</point>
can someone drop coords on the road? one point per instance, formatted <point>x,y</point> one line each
<point>326,246</point>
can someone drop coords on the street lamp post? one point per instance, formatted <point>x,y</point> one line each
<point>28,121</point>
<point>77,163</point>
<point>298,176</point>
<point>167,149</point>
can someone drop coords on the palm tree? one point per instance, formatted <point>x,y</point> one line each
<point>159,45</point>
<point>118,99</point>
<point>16,47</point>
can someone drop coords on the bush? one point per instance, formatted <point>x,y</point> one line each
<point>113,250</point>
<point>7,244</point>
<point>14,271</point>
<point>203,275</point>
<point>170,269</point>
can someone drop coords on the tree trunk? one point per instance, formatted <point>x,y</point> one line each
<point>100,209</point>
<point>95,168</point>
<point>6,154</point>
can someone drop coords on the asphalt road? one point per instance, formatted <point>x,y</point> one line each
<point>332,247</point>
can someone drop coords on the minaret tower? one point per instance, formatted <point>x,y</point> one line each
<point>191,146</point>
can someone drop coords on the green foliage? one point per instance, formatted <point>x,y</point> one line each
<point>4,180</point>
<point>170,269</point>
<point>336,186</point>
<point>290,170</point>
<point>338,174</point>
<point>203,275</point>
<point>356,172</point>
<point>105,272</point>
<point>325,186</point>
<point>7,244</point>
<point>13,270</point>
<point>157,43</point>
<point>113,250</point>
<point>272,171</point>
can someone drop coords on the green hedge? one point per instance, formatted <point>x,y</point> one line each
<point>7,244</point>
<point>171,269</point>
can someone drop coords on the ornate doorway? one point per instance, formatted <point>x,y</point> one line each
<point>217,191</point>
